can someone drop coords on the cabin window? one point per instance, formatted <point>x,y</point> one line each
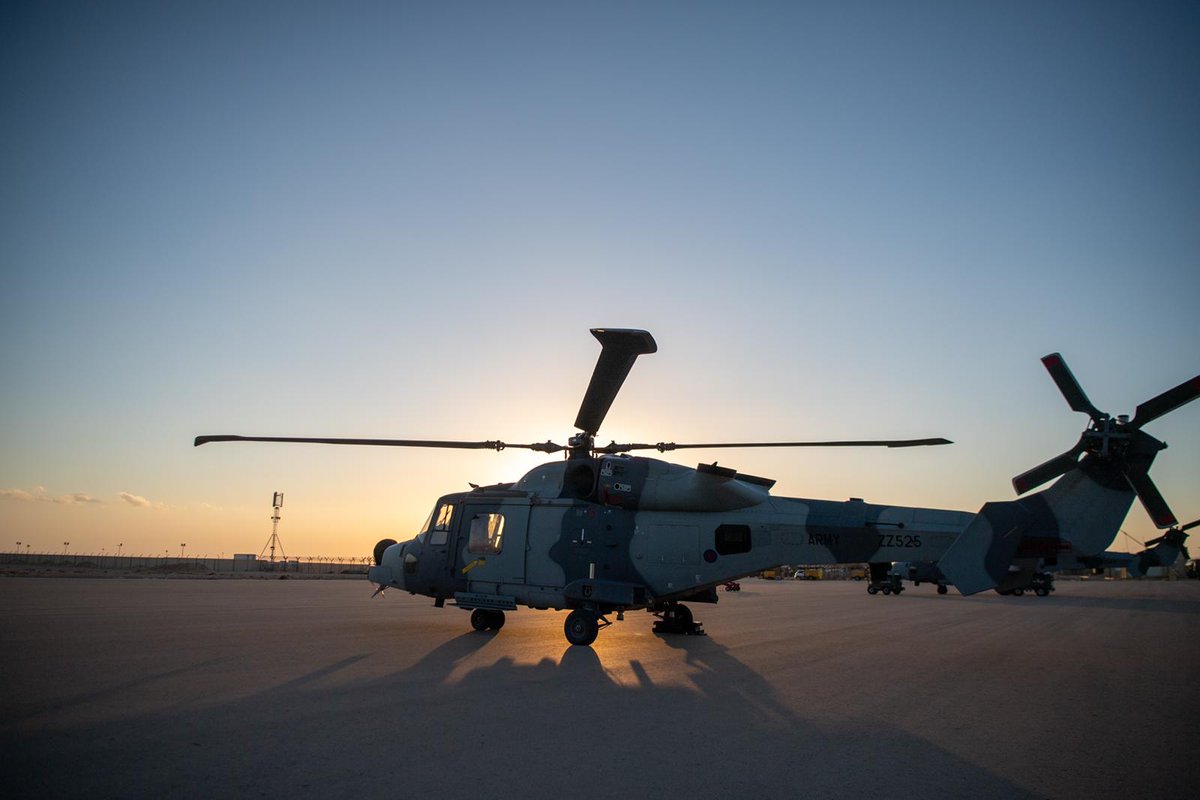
<point>733,539</point>
<point>487,533</point>
<point>440,523</point>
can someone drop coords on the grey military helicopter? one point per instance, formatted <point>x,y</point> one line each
<point>601,532</point>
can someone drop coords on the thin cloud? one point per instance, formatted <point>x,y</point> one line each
<point>135,500</point>
<point>39,494</point>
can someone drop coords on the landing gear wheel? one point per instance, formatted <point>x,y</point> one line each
<point>941,589</point>
<point>495,620</point>
<point>581,627</point>
<point>480,619</point>
<point>1041,591</point>
<point>872,589</point>
<point>887,589</point>
<point>683,617</point>
<point>1018,592</point>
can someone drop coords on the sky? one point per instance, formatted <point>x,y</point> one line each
<point>399,220</point>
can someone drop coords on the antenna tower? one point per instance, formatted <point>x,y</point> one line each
<point>274,541</point>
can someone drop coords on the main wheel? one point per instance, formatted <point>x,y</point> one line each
<point>1041,591</point>
<point>872,588</point>
<point>581,627</point>
<point>683,617</point>
<point>887,589</point>
<point>480,619</point>
<point>1018,591</point>
<point>941,589</point>
<point>496,620</point>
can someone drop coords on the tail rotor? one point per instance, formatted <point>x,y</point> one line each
<point>1176,537</point>
<point>1118,441</point>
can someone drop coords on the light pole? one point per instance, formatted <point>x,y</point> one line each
<point>181,546</point>
<point>65,546</point>
<point>119,546</point>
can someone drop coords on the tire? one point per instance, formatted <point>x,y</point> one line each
<point>496,620</point>
<point>1018,592</point>
<point>941,589</point>
<point>581,628</point>
<point>887,590</point>
<point>872,588</point>
<point>479,620</point>
<point>1042,591</point>
<point>683,617</point>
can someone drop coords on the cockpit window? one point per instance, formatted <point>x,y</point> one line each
<point>487,533</point>
<point>439,523</point>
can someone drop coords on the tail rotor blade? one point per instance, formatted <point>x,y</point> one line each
<point>1166,402</point>
<point>1070,388</point>
<point>621,347</point>
<point>1151,498</point>
<point>1048,471</point>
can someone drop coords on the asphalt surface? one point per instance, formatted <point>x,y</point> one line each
<point>194,688</point>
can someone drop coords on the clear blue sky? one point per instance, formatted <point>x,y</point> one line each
<point>399,220</point>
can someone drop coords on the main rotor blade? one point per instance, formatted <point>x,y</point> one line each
<point>1148,493</point>
<point>1166,402</point>
<point>621,347</point>
<point>1047,471</point>
<point>1190,525</point>
<point>1070,388</point>
<point>545,447</point>
<point>663,447</point>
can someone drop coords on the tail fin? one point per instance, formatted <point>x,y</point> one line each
<point>1085,508</point>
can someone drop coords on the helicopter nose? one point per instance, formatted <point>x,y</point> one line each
<point>388,560</point>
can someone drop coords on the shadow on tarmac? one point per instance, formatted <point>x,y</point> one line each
<point>449,727</point>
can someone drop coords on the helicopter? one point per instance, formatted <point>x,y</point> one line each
<point>600,531</point>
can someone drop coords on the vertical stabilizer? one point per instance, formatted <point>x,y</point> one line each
<point>1084,508</point>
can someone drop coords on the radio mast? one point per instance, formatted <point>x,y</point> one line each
<point>274,541</point>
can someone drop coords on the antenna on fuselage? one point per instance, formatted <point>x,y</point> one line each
<point>276,504</point>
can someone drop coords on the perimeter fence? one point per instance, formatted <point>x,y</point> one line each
<point>329,565</point>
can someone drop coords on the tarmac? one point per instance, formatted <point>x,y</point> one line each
<point>269,688</point>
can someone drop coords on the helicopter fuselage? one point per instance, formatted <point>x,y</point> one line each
<point>622,532</point>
